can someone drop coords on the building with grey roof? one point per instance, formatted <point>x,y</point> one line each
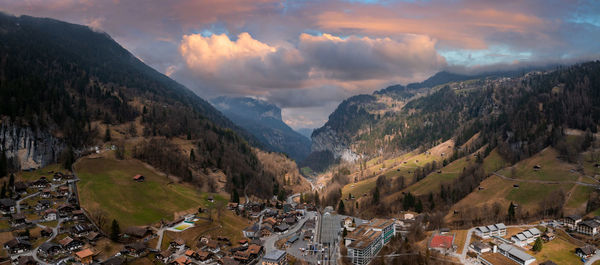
<point>491,230</point>
<point>517,255</point>
<point>275,257</point>
<point>330,229</point>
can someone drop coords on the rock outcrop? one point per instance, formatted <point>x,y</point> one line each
<point>29,148</point>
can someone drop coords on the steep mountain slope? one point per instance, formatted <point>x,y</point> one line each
<point>264,121</point>
<point>66,85</point>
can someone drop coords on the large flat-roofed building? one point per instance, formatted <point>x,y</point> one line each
<point>515,254</point>
<point>363,244</point>
<point>367,239</point>
<point>387,227</point>
<point>331,228</point>
<point>275,257</point>
<point>495,259</point>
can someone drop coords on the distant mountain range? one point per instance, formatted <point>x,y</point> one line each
<point>263,120</point>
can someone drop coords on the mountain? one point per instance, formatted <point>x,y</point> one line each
<point>306,132</point>
<point>66,88</point>
<point>400,118</point>
<point>264,121</point>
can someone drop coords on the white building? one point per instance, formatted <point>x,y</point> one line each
<point>526,237</point>
<point>491,230</point>
<point>517,255</point>
<point>367,239</point>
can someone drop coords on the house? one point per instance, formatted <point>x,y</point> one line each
<point>41,183</point>
<point>21,187</point>
<point>182,260</point>
<point>78,215</point>
<point>491,230</point>
<point>93,236</point>
<point>290,220</point>
<point>255,250</point>
<point>348,222</point>
<point>46,232</point>
<point>292,240</point>
<point>18,219</point>
<point>177,243</point>
<point>213,246</point>
<point>49,249</point>
<point>63,191</point>
<point>65,210</point>
<point>42,205</point>
<point>275,257</point>
<point>571,221</point>
<point>203,255</point>
<point>136,249</point>
<point>526,237</point>
<point>232,205</point>
<point>442,243</point>
<point>548,262</point>
<point>270,221</point>
<point>84,256</point>
<point>139,178</point>
<point>50,214</point>
<point>80,230</point>
<point>7,206</point>
<point>16,246</point>
<point>210,198</point>
<point>282,228</point>
<point>548,236</point>
<point>480,247</point>
<point>515,254</point>
<point>585,252</point>
<point>165,255</point>
<point>229,261</point>
<point>70,244</point>
<point>588,227</point>
<point>251,231</point>
<point>46,193</point>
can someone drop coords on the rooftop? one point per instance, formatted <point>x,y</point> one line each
<point>440,241</point>
<point>274,255</point>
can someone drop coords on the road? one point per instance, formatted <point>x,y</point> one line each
<point>592,259</point>
<point>18,204</point>
<point>33,253</point>
<point>547,182</point>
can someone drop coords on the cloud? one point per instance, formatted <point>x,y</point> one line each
<point>313,71</point>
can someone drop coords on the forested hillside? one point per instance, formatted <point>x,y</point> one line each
<point>75,83</point>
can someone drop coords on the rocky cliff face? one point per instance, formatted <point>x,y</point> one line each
<point>28,148</point>
<point>328,140</point>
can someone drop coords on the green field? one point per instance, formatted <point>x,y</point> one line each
<point>36,174</point>
<point>552,169</point>
<point>579,196</point>
<point>558,251</point>
<point>434,180</point>
<point>530,194</point>
<point>107,184</point>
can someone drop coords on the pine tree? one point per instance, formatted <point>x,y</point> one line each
<point>11,181</point>
<point>376,195</point>
<point>107,137</point>
<point>235,197</point>
<point>3,192</point>
<point>317,199</point>
<point>341,209</point>
<point>192,155</point>
<point>537,246</point>
<point>115,230</point>
<point>511,212</point>
<point>3,165</point>
<point>419,207</point>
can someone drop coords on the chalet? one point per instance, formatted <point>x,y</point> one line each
<point>270,221</point>
<point>63,191</point>
<point>282,228</point>
<point>18,219</point>
<point>43,205</point>
<point>40,183</point>
<point>116,260</point>
<point>139,178</point>
<point>80,230</point>
<point>182,260</point>
<point>290,220</point>
<point>308,235</point>
<point>265,230</point>
<point>210,198</point>
<point>243,242</point>
<point>537,167</point>
<point>251,231</point>
<point>255,250</point>
<point>70,244</point>
<point>16,246</point>
<point>228,261</point>
<point>571,221</point>
<point>7,206</point>
<point>57,176</point>
<point>585,252</point>
<point>21,187</point>
<point>203,255</point>
<point>165,255</point>
<point>177,243</point>
<point>65,210</point>
<point>93,236</point>
<point>242,256</point>
<point>232,205</point>
<point>84,256</point>
<point>49,249</point>
<point>548,236</point>
<point>46,232</point>
<point>348,222</point>
<point>46,193</point>
<point>50,214</point>
<point>137,231</point>
<point>78,215</point>
<point>588,227</point>
<point>136,249</point>
<point>213,246</point>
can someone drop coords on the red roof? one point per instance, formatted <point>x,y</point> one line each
<point>439,241</point>
<point>136,177</point>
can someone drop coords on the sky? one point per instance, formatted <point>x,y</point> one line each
<point>306,56</point>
